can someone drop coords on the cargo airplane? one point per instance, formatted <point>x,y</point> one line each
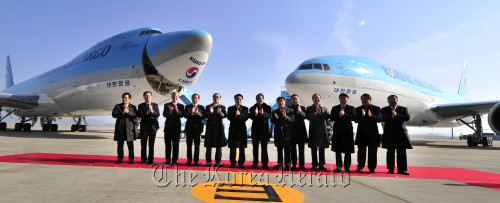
<point>427,104</point>
<point>92,83</point>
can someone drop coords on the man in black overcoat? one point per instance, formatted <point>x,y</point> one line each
<point>149,113</point>
<point>125,127</point>
<point>343,136</point>
<point>318,138</point>
<point>395,137</point>
<point>194,127</point>
<point>215,135</point>
<point>299,132</point>
<point>260,113</point>
<point>367,136</point>
<point>173,112</point>
<point>237,115</point>
<point>282,119</point>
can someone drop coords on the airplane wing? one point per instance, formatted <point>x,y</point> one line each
<point>458,110</point>
<point>19,101</point>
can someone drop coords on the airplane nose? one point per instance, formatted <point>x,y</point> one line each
<point>180,56</point>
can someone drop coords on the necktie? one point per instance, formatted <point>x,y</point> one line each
<point>149,106</point>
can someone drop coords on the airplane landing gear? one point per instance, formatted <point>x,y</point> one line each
<point>48,126</point>
<point>477,138</point>
<point>78,126</point>
<point>23,125</point>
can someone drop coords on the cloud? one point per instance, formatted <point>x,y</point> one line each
<point>288,54</point>
<point>342,27</point>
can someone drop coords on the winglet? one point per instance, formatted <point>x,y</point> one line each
<point>462,88</point>
<point>9,80</point>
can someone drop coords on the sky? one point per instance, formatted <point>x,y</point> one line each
<point>257,43</point>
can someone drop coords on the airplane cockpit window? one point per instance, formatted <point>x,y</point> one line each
<point>145,32</point>
<point>305,67</point>
<point>326,67</point>
<point>156,32</point>
<point>318,66</point>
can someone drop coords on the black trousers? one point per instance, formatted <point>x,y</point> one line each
<point>314,153</point>
<point>172,147</point>
<point>151,136</point>
<point>241,156</point>
<point>293,150</point>
<point>401,158</point>
<point>372,157</point>
<point>190,138</point>
<point>130,146</point>
<point>218,155</point>
<point>286,155</point>
<point>263,148</point>
<point>347,160</point>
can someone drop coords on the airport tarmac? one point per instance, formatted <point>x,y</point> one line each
<point>78,166</point>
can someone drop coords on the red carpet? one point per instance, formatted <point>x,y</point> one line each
<point>473,177</point>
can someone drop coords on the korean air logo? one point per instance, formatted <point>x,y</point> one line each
<point>190,73</point>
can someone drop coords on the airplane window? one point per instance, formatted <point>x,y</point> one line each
<point>305,66</point>
<point>156,32</point>
<point>142,33</point>
<point>318,66</point>
<point>326,67</point>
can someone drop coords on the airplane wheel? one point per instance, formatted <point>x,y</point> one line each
<point>73,128</point>
<point>3,126</point>
<point>27,127</point>
<point>45,127</point>
<point>83,128</point>
<point>484,141</point>
<point>54,127</point>
<point>18,127</point>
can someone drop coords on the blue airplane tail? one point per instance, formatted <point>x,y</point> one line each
<point>9,80</point>
<point>462,88</point>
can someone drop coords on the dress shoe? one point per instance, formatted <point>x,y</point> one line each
<point>142,162</point>
<point>207,164</point>
<point>403,173</point>
<point>338,170</point>
<point>302,167</point>
<point>149,163</point>
<point>322,167</point>
<point>347,171</point>
<point>119,161</point>
<point>220,164</point>
<point>253,166</point>
<point>188,163</point>
<point>390,171</point>
<point>314,166</point>
<point>265,166</point>
<point>167,162</point>
<point>372,171</point>
<point>277,166</point>
<point>131,162</point>
<point>232,166</point>
<point>294,167</point>
<point>241,166</point>
<point>196,164</point>
<point>287,168</point>
<point>358,170</point>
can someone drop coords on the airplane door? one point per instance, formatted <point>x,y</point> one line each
<point>367,73</point>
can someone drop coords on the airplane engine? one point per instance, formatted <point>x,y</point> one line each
<point>494,118</point>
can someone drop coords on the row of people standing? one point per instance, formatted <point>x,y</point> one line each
<point>290,131</point>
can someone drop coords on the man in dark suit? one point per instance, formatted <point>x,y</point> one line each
<point>149,113</point>
<point>318,137</point>
<point>125,127</point>
<point>343,136</point>
<point>367,117</point>
<point>173,112</point>
<point>395,137</point>
<point>215,135</point>
<point>282,119</point>
<point>260,113</point>
<point>237,115</point>
<point>299,132</point>
<point>194,128</point>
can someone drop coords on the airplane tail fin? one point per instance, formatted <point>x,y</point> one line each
<point>462,88</point>
<point>9,79</point>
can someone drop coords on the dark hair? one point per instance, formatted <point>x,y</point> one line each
<point>260,94</point>
<point>144,94</point>
<point>175,93</point>
<point>126,93</point>
<point>295,95</point>
<point>238,95</point>
<point>195,94</point>
<point>216,94</point>
<point>315,95</point>
<point>282,98</point>
<point>392,96</point>
<point>343,95</point>
<point>369,97</point>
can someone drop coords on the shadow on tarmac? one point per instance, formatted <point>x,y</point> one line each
<point>437,144</point>
<point>56,135</point>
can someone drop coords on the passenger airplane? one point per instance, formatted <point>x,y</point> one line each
<point>92,83</point>
<point>427,104</point>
